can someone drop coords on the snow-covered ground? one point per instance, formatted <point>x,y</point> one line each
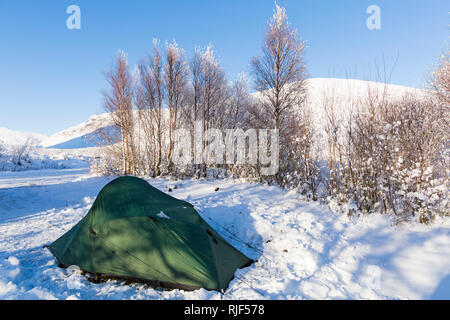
<point>303,250</point>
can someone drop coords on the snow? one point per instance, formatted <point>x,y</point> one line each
<point>302,249</point>
<point>14,137</point>
<point>79,136</point>
<point>76,137</point>
<point>343,94</point>
<point>163,215</point>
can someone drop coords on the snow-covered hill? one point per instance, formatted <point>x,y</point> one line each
<point>14,137</point>
<point>343,91</point>
<point>79,136</point>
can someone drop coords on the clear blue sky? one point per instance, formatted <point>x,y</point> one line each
<point>51,77</point>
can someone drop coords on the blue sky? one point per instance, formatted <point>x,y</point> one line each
<point>51,77</point>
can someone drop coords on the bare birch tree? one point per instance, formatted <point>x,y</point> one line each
<point>118,102</point>
<point>280,73</point>
<point>208,94</point>
<point>175,82</point>
<point>150,105</point>
<point>279,77</point>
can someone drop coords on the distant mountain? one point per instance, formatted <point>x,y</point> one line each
<point>83,135</point>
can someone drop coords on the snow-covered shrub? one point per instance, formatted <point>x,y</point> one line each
<point>440,80</point>
<point>20,154</point>
<point>393,158</point>
<point>33,161</point>
<point>107,162</point>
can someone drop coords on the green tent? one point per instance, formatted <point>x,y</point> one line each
<point>134,231</point>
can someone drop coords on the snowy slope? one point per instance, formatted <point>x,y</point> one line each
<point>79,136</point>
<point>14,137</point>
<point>303,250</point>
<point>345,93</point>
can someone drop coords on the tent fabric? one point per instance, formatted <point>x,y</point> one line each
<point>134,231</point>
